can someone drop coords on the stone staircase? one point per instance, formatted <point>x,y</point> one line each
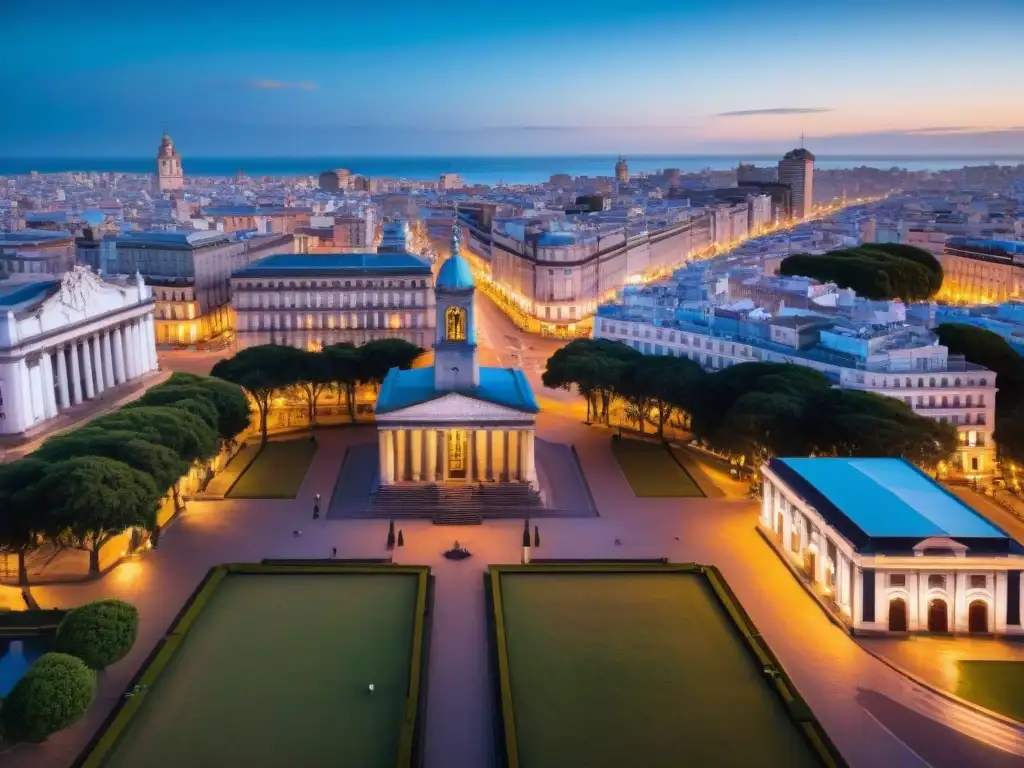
<point>455,505</point>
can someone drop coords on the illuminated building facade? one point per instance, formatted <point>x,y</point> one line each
<point>796,170</point>
<point>979,271</point>
<point>456,423</point>
<point>169,174</point>
<point>312,300</point>
<point>67,341</point>
<point>888,550</point>
<point>190,276</point>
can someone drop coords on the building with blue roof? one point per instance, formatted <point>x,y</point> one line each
<point>312,300</point>
<point>887,549</point>
<point>456,422</point>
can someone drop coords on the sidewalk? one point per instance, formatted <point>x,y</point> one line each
<point>82,413</point>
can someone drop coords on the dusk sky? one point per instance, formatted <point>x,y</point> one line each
<point>418,77</point>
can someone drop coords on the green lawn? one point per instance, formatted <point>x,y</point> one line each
<point>651,470</point>
<point>637,669</point>
<point>275,673</point>
<point>996,685</point>
<point>277,472</point>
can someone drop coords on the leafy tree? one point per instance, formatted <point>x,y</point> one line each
<point>194,399</point>
<point>184,433</point>
<point>22,523</point>
<point>93,499</point>
<point>596,368</point>
<point>380,356</point>
<point>670,383</point>
<point>875,270</point>
<point>229,399</point>
<point>100,633</point>
<point>161,463</point>
<point>54,693</point>
<point>344,363</point>
<point>314,373</point>
<point>261,371</point>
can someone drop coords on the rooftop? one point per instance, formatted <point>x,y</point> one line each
<point>335,264</point>
<point>501,386</point>
<point>173,239</point>
<point>888,505</point>
<point>251,210</point>
<point>15,297</point>
<point>30,236</point>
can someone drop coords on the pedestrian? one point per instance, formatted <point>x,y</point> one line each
<point>334,552</point>
<point>296,533</point>
<point>316,511</point>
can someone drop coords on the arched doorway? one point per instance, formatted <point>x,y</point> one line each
<point>977,616</point>
<point>938,616</point>
<point>897,615</point>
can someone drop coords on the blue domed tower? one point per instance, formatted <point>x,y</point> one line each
<point>455,360</point>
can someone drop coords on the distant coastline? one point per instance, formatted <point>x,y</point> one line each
<point>481,170</point>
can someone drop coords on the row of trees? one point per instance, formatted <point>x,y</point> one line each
<point>59,687</point>
<point>269,370</point>
<point>875,270</point>
<point>85,487</point>
<point>755,410</point>
<point>991,351</point>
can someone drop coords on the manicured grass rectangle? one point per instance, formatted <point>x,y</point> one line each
<point>634,668</point>
<point>995,685</point>
<point>651,470</point>
<point>277,472</point>
<point>273,668</point>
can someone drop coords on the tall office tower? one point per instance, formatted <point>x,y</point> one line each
<point>796,170</point>
<point>169,176</point>
<point>622,171</point>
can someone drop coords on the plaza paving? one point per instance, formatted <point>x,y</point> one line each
<point>829,669</point>
<point>870,711</point>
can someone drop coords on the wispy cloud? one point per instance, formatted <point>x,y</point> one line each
<point>933,130</point>
<point>775,111</point>
<point>270,85</point>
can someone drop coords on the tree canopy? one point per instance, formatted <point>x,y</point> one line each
<point>262,371</point>
<point>757,410</point>
<point>21,523</point>
<point>54,693</point>
<point>380,356</point>
<point>92,499</point>
<point>186,434</point>
<point>873,270</point>
<point>991,351</point>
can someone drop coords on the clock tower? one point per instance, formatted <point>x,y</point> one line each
<point>169,177</point>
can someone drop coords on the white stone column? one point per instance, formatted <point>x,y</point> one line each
<point>76,375</point>
<point>400,461</point>
<point>140,359</point>
<point>62,379</point>
<point>97,363</point>
<point>118,350</point>
<point>416,453</point>
<point>17,404</point>
<point>513,454</point>
<point>382,456</point>
<point>388,468</point>
<point>470,457</point>
<point>498,455</point>
<point>104,351</point>
<point>90,381</point>
<point>47,383</point>
<point>430,474</point>
<point>130,369</point>
<point>444,455</point>
<point>149,341</point>
<point>528,465</point>
<point>481,454</point>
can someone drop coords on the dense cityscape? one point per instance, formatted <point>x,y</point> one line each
<point>484,445</point>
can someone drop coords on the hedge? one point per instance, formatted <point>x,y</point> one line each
<point>55,692</point>
<point>99,633</point>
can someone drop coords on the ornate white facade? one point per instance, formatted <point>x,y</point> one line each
<point>64,342</point>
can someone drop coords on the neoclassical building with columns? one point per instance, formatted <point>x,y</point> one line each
<point>66,341</point>
<point>889,550</point>
<point>456,422</point>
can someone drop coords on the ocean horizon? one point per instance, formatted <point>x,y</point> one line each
<point>513,169</point>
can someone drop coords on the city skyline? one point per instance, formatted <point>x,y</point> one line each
<point>472,80</point>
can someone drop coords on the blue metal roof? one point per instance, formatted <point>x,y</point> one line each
<point>335,264</point>
<point>12,296</point>
<point>556,238</point>
<point>1007,246</point>
<point>455,274</point>
<point>887,504</point>
<point>501,386</point>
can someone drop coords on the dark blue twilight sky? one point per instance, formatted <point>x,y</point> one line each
<point>103,77</point>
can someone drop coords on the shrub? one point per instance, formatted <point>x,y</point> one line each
<point>55,692</point>
<point>99,633</point>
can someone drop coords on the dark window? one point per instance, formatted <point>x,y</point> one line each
<point>868,608</point>
<point>897,580</point>
<point>978,581</point>
<point>936,581</point>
